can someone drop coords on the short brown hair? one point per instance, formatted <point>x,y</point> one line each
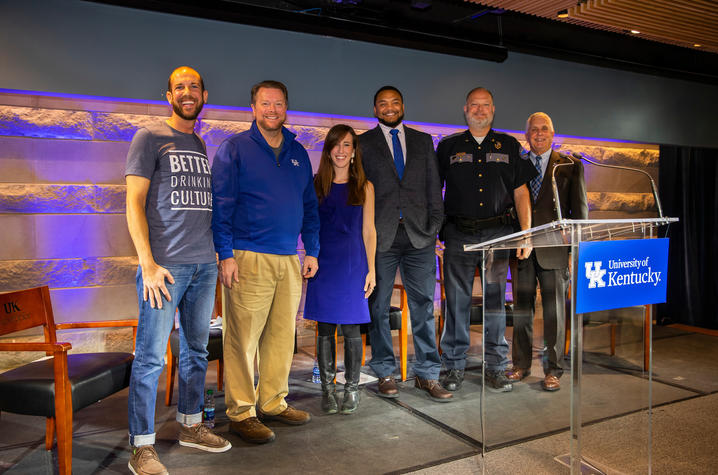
<point>269,84</point>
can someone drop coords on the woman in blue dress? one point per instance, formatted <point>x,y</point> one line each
<point>338,294</point>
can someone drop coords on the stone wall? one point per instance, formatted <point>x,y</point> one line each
<point>62,190</point>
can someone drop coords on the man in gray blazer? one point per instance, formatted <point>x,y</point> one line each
<point>401,164</point>
<point>547,265</point>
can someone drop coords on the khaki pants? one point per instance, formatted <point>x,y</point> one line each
<point>261,311</point>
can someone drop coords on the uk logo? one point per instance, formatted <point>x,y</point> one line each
<point>295,162</point>
<point>595,274</point>
<point>621,273</point>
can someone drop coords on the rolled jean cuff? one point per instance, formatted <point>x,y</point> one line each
<point>189,419</point>
<point>140,440</point>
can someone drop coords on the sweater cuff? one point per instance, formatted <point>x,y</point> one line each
<point>225,254</point>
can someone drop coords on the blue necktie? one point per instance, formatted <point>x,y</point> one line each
<point>398,153</point>
<point>536,182</point>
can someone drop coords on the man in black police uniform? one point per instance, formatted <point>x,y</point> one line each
<point>486,190</point>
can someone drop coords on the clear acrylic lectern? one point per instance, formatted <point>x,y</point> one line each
<point>618,380</point>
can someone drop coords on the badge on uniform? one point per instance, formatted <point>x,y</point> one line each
<point>497,157</point>
<point>497,144</point>
<point>461,157</point>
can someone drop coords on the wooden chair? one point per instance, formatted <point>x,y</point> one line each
<point>394,312</point>
<point>398,320</point>
<point>62,384</point>
<point>214,348</point>
<point>612,329</point>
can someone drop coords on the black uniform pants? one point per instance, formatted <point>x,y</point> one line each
<point>459,271</point>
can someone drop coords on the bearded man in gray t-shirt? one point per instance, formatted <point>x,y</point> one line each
<point>169,214</point>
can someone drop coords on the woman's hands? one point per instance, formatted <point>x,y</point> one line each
<point>369,283</point>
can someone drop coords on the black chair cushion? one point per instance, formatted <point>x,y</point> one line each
<point>394,322</point>
<point>214,346</point>
<point>477,312</point>
<point>363,329</point>
<point>30,389</point>
<point>395,318</point>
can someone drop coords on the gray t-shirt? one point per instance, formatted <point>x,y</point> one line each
<point>179,200</point>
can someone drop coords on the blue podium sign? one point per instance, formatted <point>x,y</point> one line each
<point>617,274</point>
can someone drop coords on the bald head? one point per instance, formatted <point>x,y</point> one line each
<point>183,71</point>
<point>186,94</point>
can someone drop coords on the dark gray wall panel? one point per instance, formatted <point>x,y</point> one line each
<point>85,48</point>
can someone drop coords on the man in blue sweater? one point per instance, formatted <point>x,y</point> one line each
<point>263,199</point>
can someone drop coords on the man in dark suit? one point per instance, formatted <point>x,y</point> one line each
<point>401,164</point>
<point>547,265</point>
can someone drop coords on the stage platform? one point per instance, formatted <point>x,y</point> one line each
<point>525,428</point>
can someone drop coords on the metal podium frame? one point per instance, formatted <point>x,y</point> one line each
<point>568,232</point>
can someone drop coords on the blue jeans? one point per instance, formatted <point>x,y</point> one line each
<point>193,294</point>
<point>418,274</point>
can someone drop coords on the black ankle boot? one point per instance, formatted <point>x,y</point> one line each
<point>326,355</point>
<point>352,365</point>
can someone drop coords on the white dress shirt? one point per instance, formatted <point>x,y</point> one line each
<point>402,138</point>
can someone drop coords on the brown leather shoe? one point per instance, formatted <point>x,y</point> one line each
<point>387,387</point>
<point>290,416</point>
<point>551,383</point>
<point>516,374</point>
<point>435,391</point>
<point>251,430</point>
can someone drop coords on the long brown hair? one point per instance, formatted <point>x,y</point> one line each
<point>325,175</point>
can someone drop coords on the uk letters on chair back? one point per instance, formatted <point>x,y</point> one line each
<point>25,309</point>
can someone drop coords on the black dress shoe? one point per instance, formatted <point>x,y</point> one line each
<point>387,387</point>
<point>496,381</point>
<point>453,379</point>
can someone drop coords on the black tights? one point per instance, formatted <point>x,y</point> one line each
<point>349,330</point>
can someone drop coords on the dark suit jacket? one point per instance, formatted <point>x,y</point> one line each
<point>572,195</point>
<point>418,194</point>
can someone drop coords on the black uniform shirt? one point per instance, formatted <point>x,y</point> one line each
<point>480,179</point>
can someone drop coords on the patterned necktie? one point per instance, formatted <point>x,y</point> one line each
<point>398,153</point>
<point>536,182</point>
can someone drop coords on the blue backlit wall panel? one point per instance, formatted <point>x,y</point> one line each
<point>62,209</point>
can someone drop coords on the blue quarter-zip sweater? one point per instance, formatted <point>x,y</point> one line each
<point>261,203</point>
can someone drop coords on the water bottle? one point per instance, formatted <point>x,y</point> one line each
<point>209,409</point>
<point>316,378</point>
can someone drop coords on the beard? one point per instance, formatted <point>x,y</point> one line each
<point>474,123</point>
<point>392,124</point>
<point>264,124</point>
<point>177,108</point>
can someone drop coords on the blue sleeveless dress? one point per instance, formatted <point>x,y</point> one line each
<point>336,293</point>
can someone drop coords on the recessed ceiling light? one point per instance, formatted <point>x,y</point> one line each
<point>635,32</point>
<point>697,45</point>
<point>562,13</point>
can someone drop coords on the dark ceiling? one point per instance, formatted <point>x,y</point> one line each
<point>452,27</point>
